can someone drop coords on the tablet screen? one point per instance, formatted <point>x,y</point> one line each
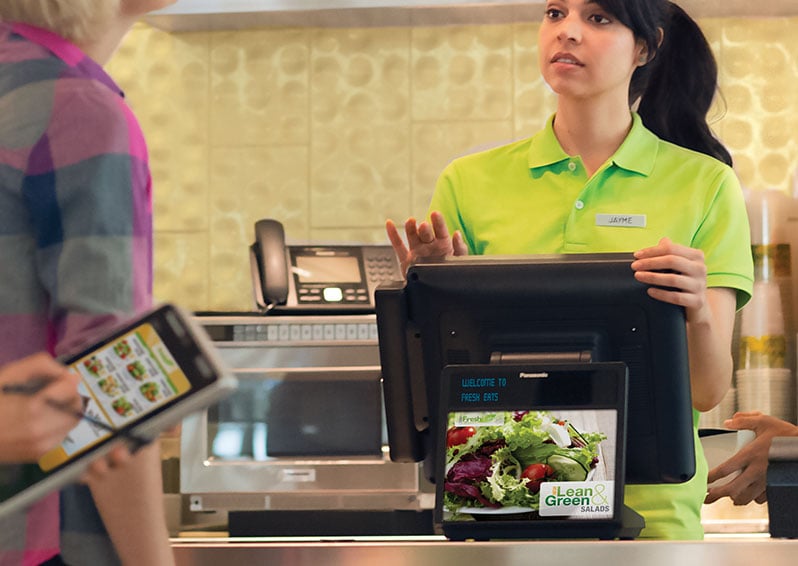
<point>124,379</point>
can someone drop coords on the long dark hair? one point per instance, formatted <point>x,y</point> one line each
<point>678,84</point>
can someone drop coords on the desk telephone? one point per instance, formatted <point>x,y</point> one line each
<point>316,278</point>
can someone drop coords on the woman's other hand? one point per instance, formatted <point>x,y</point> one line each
<point>676,274</point>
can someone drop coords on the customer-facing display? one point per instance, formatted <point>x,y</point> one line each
<point>532,451</point>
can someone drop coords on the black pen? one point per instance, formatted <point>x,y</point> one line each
<point>32,386</point>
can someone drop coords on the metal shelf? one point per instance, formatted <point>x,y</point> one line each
<point>196,15</point>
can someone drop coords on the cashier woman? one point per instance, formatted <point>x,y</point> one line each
<point>634,81</point>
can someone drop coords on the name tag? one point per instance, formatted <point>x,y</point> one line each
<point>621,220</point>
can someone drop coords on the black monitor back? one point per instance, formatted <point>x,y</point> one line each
<point>537,309</point>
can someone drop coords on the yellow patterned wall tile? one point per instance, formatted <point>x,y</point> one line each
<point>435,144</point>
<point>758,69</point>
<point>746,168</point>
<point>534,100</point>
<point>248,184</point>
<point>354,187</point>
<point>182,269</point>
<point>360,123</point>
<point>462,73</point>
<point>180,189</point>
<point>737,96</point>
<point>778,132</point>
<point>350,235</point>
<point>775,170</point>
<point>739,135</point>
<point>259,87</point>
<point>713,30</point>
<point>165,79</point>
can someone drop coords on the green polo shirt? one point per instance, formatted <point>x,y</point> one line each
<point>530,197</point>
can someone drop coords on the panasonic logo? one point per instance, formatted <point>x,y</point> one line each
<point>535,375</point>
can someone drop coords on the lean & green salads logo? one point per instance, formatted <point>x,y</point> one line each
<point>578,500</point>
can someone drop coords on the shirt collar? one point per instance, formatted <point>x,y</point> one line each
<point>637,153</point>
<point>68,52</point>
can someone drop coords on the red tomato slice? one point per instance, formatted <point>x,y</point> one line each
<point>459,435</point>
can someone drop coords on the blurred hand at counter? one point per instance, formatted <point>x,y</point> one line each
<point>424,240</point>
<point>751,461</point>
<point>118,457</point>
<point>100,468</point>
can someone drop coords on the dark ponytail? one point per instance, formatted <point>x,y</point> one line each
<point>678,84</point>
<point>681,86</point>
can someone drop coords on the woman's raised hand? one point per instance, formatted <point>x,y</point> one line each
<point>424,240</point>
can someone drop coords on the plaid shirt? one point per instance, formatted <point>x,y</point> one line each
<point>75,240</point>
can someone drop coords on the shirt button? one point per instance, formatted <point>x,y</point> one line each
<point>571,166</point>
<point>579,205</point>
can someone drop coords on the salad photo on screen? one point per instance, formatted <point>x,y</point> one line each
<point>497,461</point>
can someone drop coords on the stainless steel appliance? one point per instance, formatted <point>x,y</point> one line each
<point>306,429</point>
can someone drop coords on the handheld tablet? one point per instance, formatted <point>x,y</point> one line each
<point>136,381</point>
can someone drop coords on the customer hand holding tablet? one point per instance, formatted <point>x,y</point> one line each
<point>129,386</point>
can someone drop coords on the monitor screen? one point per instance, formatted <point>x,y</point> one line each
<point>531,451</point>
<point>536,309</point>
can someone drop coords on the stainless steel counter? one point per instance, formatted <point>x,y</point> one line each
<point>737,550</point>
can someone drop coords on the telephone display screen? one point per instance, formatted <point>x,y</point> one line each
<point>121,381</point>
<point>327,269</point>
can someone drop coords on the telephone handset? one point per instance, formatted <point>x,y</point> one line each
<point>268,265</point>
<point>316,278</point>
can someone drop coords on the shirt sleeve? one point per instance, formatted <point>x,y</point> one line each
<point>725,238</point>
<point>445,201</point>
<point>88,197</point>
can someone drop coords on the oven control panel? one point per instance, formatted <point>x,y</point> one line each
<point>293,329</point>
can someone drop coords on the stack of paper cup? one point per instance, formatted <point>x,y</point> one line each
<point>768,325</point>
<point>769,390</point>
<point>791,233</point>
<point>763,382</point>
<point>762,340</point>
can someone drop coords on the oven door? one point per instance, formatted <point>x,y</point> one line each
<point>299,414</point>
<point>296,438</point>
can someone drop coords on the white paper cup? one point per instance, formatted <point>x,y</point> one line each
<point>769,390</point>
<point>762,316</point>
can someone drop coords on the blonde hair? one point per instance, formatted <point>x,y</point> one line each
<point>76,20</point>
